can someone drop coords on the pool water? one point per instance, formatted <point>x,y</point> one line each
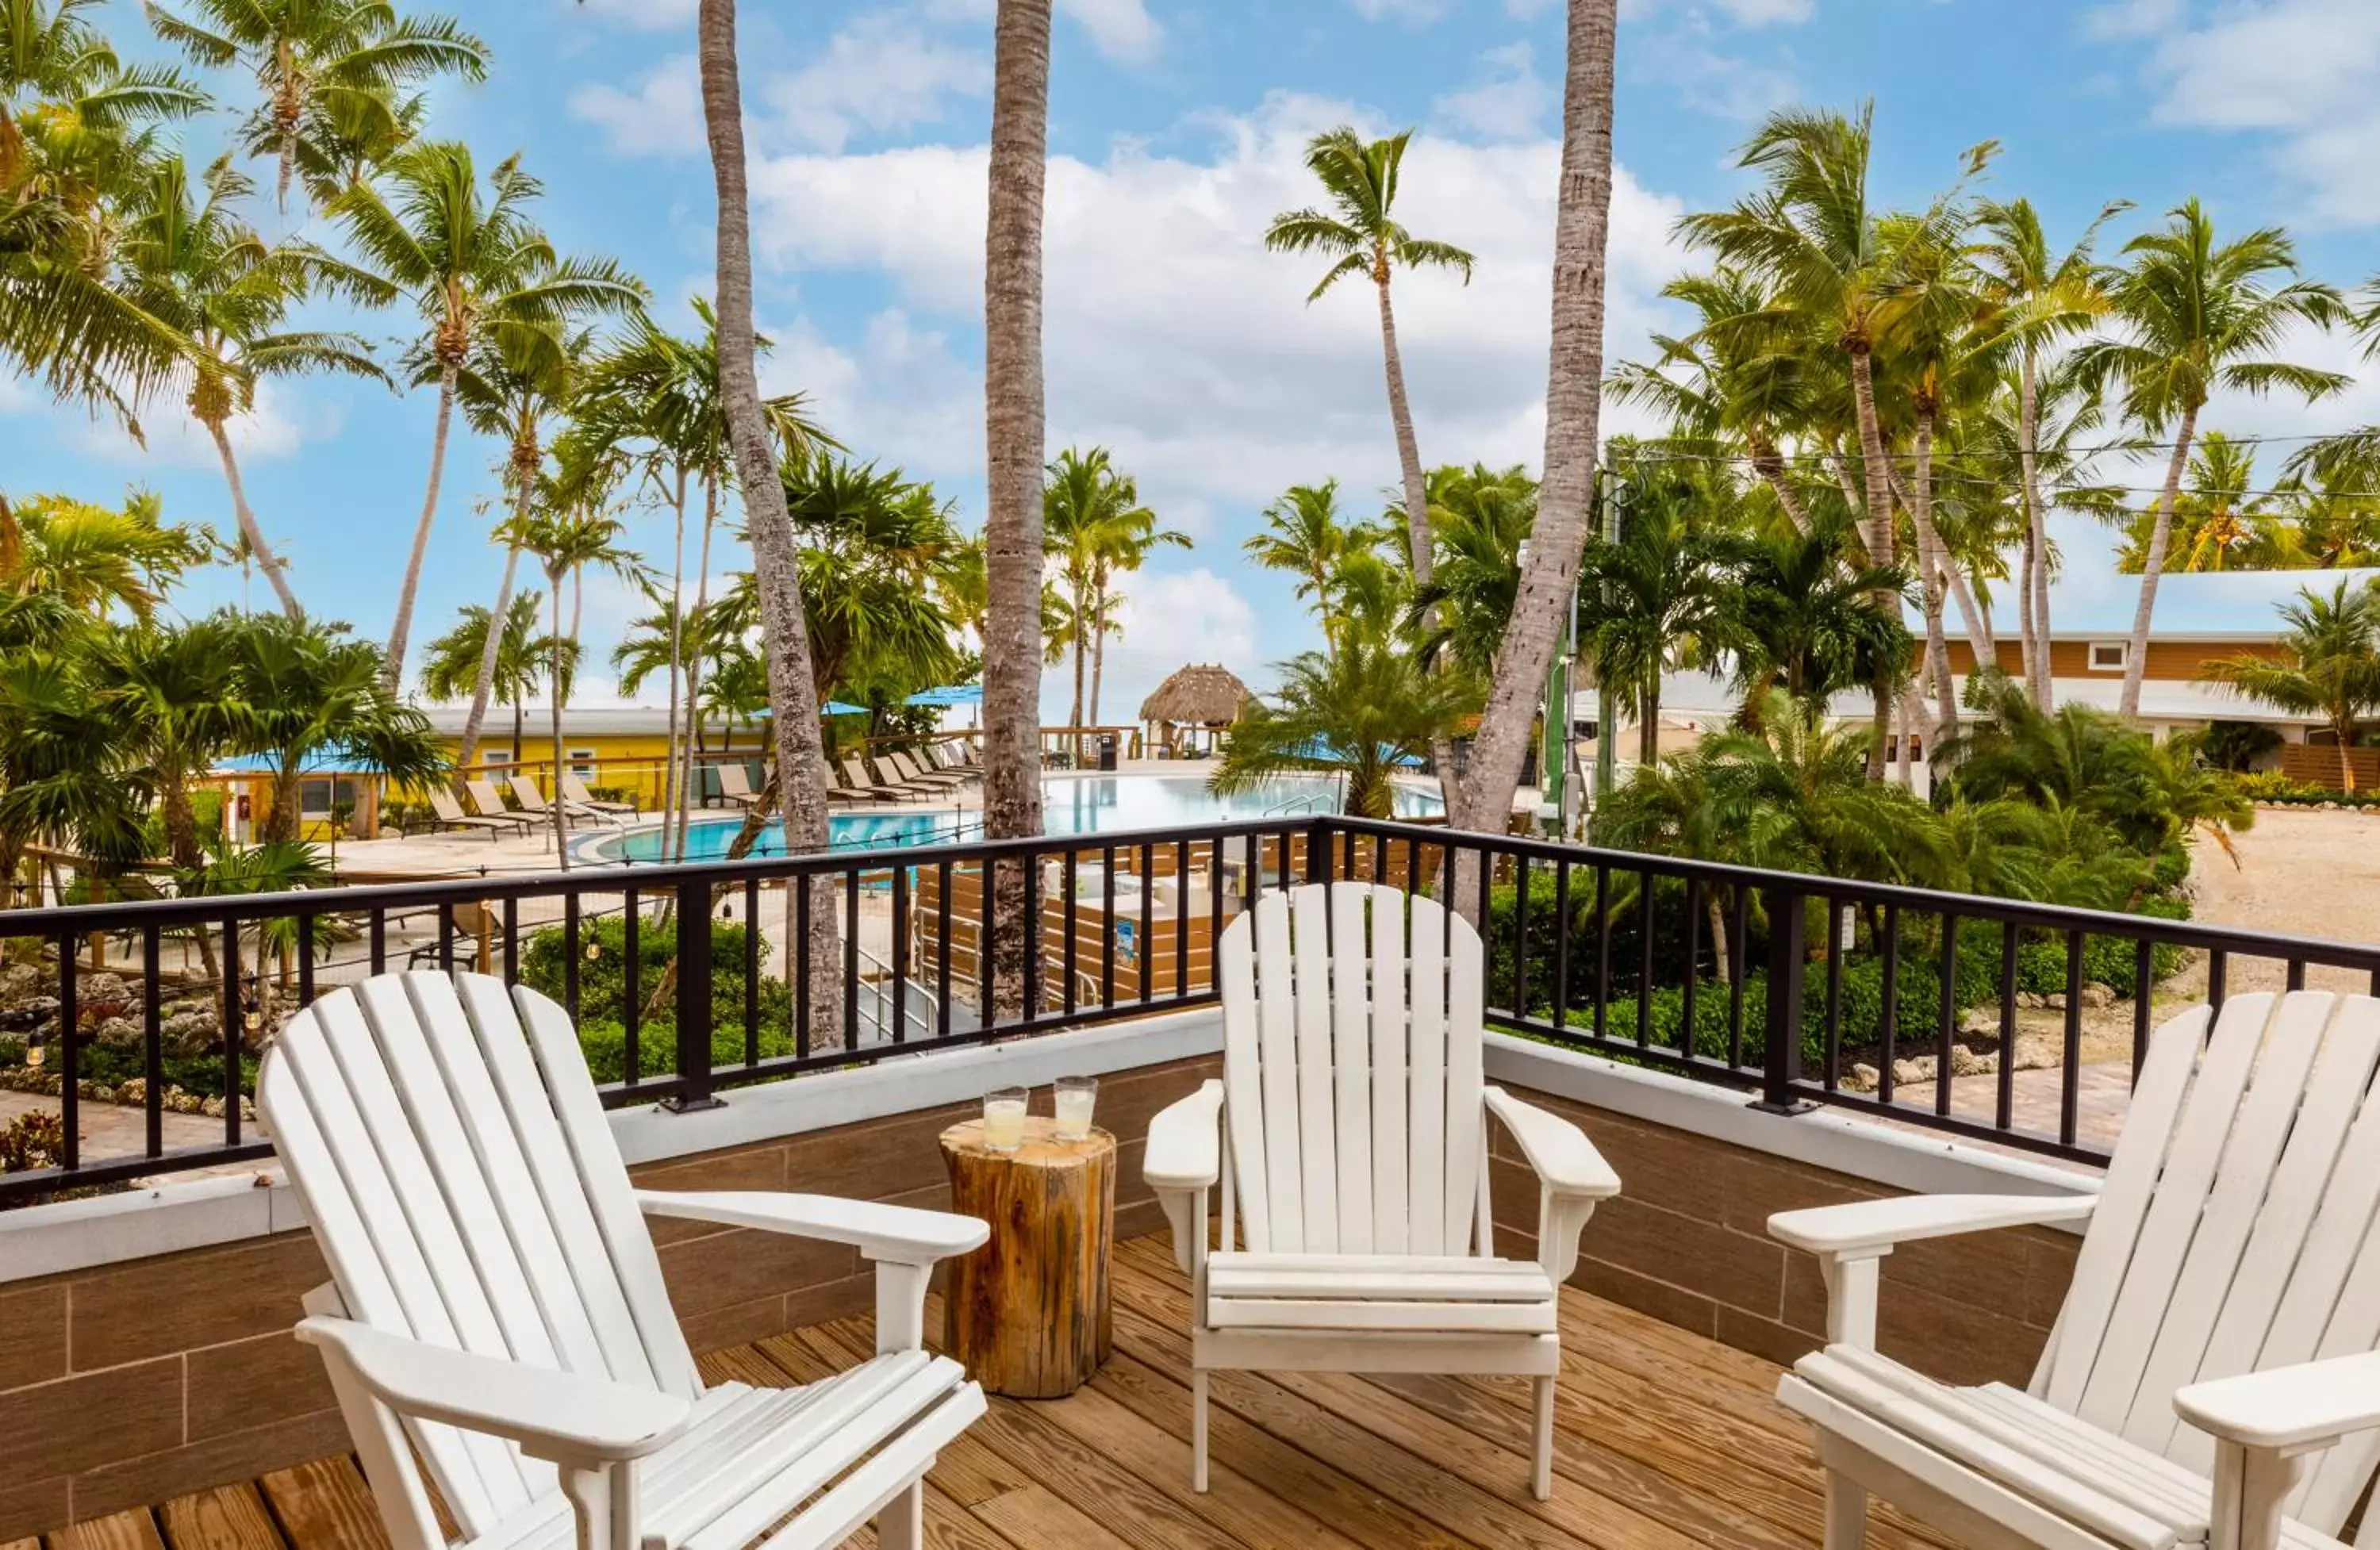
<point>1079,805</point>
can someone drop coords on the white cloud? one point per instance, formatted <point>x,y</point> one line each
<point>1769,13</point>
<point>882,74</point>
<point>1121,30</point>
<point>1512,102</point>
<point>2299,71</point>
<point>271,430</point>
<point>1171,335</point>
<point>660,115</point>
<point>1710,80</point>
<point>1168,619</point>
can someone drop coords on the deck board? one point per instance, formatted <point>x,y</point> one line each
<point>1667,1441</point>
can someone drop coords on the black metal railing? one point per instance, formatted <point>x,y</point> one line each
<point>1796,990</point>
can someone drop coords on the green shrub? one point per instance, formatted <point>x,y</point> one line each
<point>602,994</point>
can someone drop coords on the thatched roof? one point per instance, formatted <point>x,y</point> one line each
<point>1198,695</point>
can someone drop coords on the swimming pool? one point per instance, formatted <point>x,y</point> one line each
<point>1072,805</point>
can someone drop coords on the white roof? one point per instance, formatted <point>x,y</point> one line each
<point>1707,700</point>
<point>603,721</point>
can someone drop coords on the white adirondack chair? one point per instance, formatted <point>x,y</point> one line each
<point>1349,1134</point>
<point>2211,1378</point>
<point>497,1324</point>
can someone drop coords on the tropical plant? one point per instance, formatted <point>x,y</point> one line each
<point>473,264</point>
<point>2221,521</point>
<point>565,543</point>
<point>1363,715</point>
<point>1663,594</point>
<point>1096,529</point>
<point>1480,519</point>
<point>2333,516</point>
<point>328,72</point>
<point>873,545</point>
<point>312,690</point>
<point>172,693</point>
<point>450,664</point>
<point>1306,534</point>
<point>98,558</point>
<point>1359,234</point>
<point>191,263</point>
<point>2330,665</point>
<point>2194,315</point>
<point>1805,619</point>
<point>2044,298</point>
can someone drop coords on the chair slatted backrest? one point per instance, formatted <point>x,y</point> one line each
<point>454,1159</point>
<point>1351,1073</point>
<point>2233,1229</point>
<point>732,780</point>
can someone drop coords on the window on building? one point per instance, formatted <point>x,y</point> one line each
<point>2110,656</point>
<point>582,763</point>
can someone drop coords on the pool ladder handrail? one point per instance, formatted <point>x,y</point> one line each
<point>1302,804</point>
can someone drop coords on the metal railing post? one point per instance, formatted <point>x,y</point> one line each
<point>1320,840</point>
<point>1781,1047</point>
<point>694,1008</point>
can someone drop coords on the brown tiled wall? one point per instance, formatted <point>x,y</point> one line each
<point>134,1383</point>
<point>1686,1242</point>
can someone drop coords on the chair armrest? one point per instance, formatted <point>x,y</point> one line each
<point>2288,1410</point>
<point>1565,1161</point>
<point>1186,1149</point>
<point>565,1417</point>
<point>1864,1229</point>
<point>901,1233</point>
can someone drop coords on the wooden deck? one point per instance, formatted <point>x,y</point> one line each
<point>1668,1442</point>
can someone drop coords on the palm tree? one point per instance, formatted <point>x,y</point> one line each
<point>2330,667</point>
<point>565,543</point>
<point>98,558</point>
<point>510,386</point>
<point>2334,517</point>
<point>652,402</point>
<point>1014,434</point>
<point>192,262</point>
<point>1480,519</point>
<point>333,65</point>
<point>1727,381</point>
<point>472,264</point>
<point>1574,398</point>
<point>1666,591</point>
<point>1360,235</point>
<point>2045,298</point>
<point>2196,316</point>
<point>1129,541</point>
<point>875,548</point>
<point>450,664</point>
<point>1362,715</point>
<point>1805,619</point>
<point>172,691</point>
<point>1095,528</point>
<point>310,688</point>
<point>793,701</point>
<point>1306,535</point>
<point>2221,521</point>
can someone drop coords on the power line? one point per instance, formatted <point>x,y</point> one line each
<point>2070,483</point>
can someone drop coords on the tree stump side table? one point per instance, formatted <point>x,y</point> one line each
<point>1027,1313</point>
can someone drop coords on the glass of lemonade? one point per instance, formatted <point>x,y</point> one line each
<point>1003,1118</point>
<point>1077,1095</point>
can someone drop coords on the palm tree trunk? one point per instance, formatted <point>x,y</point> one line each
<point>266,559</point>
<point>1074,715</point>
<point>1876,479</point>
<point>1098,649</point>
<point>2028,557</point>
<point>554,786</point>
<point>1548,581</point>
<point>1408,450</point>
<point>2136,659</point>
<point>2036,531</point>
<point>1013,431</point>
<point>793,699</point>
<point>693,665</point>
<point>674,794</point>
<point>1648,730</point>
<point>394,674</point>
<point>483,688</point>
<point>1934,562</point>
<point>1769,464</point>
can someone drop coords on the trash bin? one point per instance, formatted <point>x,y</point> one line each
<point>1108,750</point>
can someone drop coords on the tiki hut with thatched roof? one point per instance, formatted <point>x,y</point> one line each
<point>1183,717</point>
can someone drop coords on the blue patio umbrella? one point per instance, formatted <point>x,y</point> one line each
<point>836,708</point>
<point>950,693</point>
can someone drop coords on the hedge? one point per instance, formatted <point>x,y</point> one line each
<point>602,985</point>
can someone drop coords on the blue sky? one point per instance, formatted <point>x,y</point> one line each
<point>1172,337</point>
